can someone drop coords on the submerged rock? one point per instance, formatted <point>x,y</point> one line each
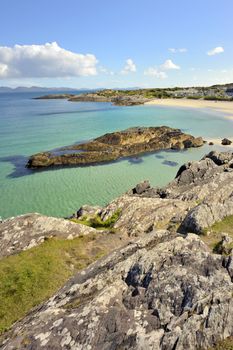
<point>113,146</point>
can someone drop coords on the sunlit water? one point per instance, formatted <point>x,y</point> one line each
<point>29,126</point>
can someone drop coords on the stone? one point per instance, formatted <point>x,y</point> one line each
<point>226,142</point>
<point>87,210</point>
<point>220,158</point>
<point>160,292</point>
<point>115,145</point>
<point>141,187</point>
<point>27,231</point>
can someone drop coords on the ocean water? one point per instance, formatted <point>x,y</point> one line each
<point>28,126</point>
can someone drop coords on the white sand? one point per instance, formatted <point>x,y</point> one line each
<point>226,108</point>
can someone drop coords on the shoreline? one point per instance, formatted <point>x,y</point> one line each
<point>224,107</point>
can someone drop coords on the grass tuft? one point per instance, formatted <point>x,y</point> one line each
<point>32,276</point>
<point>97,223</point>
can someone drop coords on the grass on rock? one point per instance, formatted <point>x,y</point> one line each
<point>213,235</point>
<point>97,223</point>
<point>32,276</point>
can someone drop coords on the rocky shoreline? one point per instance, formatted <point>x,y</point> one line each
<point>165,289</point>
<point>116,98</point>
<point>141,96</point>
<point>119,144</point>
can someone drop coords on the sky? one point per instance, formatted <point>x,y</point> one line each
<point>124,43</point>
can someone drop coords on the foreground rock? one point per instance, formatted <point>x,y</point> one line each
<point>200,195</point>
<point>113,146</point>
<point>26,231</point>
<point>161,292</point>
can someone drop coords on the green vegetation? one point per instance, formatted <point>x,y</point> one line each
<point>97,223</point>
<point>226,344</point>
<point>226,225</point>
<point>194,97</point>
<point>212,93</point>
<point>217,98</point>
<point>29,278</point>
<point>214,236</point>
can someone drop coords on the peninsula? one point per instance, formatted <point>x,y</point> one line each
<point>141,96</point>
<point>115,145</point>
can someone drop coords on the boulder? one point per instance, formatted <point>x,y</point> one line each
<point>220,158</point>
<point>226,142</point>
<point>87,210</point>
<point>141,187</point>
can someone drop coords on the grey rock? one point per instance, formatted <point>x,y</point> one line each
<point>220,158</point>
<point>141,187</point>
<point>161,292</point>
<point>87,210</point>
<point>27,231</point>
<point>226,245</point>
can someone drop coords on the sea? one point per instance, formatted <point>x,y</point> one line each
<point>29,126</point>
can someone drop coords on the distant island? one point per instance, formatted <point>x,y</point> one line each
<point>113,146</point>
<point>6,89</point>
<point>140,96</point>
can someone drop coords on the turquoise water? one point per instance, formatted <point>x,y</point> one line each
<point>28,126</point>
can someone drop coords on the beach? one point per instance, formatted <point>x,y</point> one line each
<point>226,108</point>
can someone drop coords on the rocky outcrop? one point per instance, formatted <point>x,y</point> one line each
<point>113,146</point>
<point>162,292</point>
<point>200,195</point>
<point>115,97</point>
<point>27,231</point>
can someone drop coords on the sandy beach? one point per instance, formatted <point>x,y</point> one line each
<point>225,108</point>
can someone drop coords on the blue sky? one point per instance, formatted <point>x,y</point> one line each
<point>116,43</point>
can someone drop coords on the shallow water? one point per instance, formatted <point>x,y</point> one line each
<point>29,126</point>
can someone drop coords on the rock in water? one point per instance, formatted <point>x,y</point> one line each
<point>162,292</point>
<point>113,146</point>
<point>226,142</point>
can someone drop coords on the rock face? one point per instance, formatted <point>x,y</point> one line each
<point>116,145</point>
<point>26,231</point>
<point>162,292</point>
<point>200,195</point>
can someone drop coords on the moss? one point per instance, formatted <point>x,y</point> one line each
<point>29,278</point>
<point>212,236</point>
<point>97,223</point>
<point>226,225</point>
<point>226,344</point>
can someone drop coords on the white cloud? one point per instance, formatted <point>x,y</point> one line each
<point>104,70</point>
<point>181,50</point>
<point>130,67</point>
<point>215,51</point>
<point>154,72</point>
<point>168,65</point>
<point>48,60</point>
